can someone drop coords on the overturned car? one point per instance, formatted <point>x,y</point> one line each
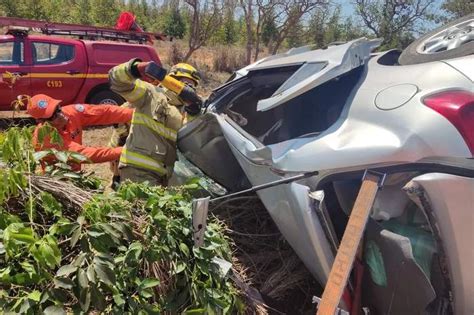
<point>341,111</point>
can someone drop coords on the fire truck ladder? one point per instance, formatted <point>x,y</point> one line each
<point>20,27</point>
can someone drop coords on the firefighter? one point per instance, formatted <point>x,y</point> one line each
<point>69,120</point>
<point>149,153</point>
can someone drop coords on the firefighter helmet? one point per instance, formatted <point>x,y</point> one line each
<point>184,70</point>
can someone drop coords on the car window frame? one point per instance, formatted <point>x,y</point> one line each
<point>16,42</point>
<point>32,47</point>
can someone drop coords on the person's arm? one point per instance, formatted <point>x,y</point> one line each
<point>95,154</point>
<point>124,80</point>
<point>93,115</point>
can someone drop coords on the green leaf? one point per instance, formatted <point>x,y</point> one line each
<point>54,310</point>
<point>179,268</point>
<point>146,293</point>
<point>98,299</point>
<point>66,270</point>
<point>64,283</point>
<point>28,267</point>
<point>50,204</point>
<point>184,248</point>
<point>196,311</point>
<point>40,154</point>
<point>91,273</point>
<point>82,279</point>
<point>79,260</point>
<point>58,295</point>
<point>72,175</point>
<point>47,252</point>
<point>35,296</point>
<point>85,299</point>
<point>149,283</point>
<point>105,274</point>
<point>62,156</point>
<point>118,299</point>
<point>17,303</point>
<point>75,236</point>
<point>77,157</point>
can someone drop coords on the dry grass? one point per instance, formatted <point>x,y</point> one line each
<point>215,63</point>
<point>264,258</point>
<point>228,59</point>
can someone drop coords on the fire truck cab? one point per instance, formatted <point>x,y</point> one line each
<point>72,70</point>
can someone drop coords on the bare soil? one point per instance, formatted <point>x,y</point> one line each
<point>98,137</point>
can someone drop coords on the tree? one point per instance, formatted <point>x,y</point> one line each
<point>229,27</point>
<point>105,12</point>
<point>295,36</point>
<point>10,7</point>
<point>247,7</point>
<point>80,12</point>
<point>269,31</point>
<point>174,23</point>
<point>205,21</point>
<point>458,8</point>
<point>317,26</point>
<point>393,19</point>
<point>334,29</point>
<point>266,28</point>
<point>351,30</point>
<point>288,15</point>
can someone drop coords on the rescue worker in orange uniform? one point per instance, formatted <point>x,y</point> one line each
<point>149,153</point>
<point>69,120</point>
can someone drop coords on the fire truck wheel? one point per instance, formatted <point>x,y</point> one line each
<point>106,97</point>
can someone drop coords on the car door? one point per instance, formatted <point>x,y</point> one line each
<point>58,68</point>
<point>14,71</point>
<point>270,106</point>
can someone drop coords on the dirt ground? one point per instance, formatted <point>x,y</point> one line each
<point>98,137</point>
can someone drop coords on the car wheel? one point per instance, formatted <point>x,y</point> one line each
<point>106,97</point>
<point>455,39</point>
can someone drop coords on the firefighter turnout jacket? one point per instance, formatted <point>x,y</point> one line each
<point>80,116</point>
<point>151,143</point>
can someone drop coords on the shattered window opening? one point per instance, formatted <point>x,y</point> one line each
<point>305,115</point>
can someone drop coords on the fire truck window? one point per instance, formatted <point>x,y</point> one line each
<point>48,54</point>
<point>11,53</point>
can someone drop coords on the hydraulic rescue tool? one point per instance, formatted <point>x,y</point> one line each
<point>159,76</point>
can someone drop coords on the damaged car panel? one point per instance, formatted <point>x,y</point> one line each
<point>448,201</point>
<point>320,66</point>
<point>300,112</point>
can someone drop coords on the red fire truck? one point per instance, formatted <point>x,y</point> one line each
<point>74,70</point>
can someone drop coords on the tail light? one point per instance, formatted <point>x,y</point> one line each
<point>457,107</point>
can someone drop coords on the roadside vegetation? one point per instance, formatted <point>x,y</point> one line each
<point>66,246</point>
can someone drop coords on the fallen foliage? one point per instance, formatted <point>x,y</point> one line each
<point>65,248</point>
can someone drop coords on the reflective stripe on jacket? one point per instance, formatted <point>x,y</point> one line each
<point>151,143</point>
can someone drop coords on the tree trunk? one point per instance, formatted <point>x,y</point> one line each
<point>249,39</point>
<point>278,43</point>
<point>189,53</point>
<point>257,47</point>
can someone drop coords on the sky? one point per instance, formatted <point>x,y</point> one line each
<point>348,9</point>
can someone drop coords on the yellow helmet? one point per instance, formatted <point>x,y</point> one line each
<point>184,70</point>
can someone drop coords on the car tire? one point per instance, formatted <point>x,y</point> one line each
<point>418,52</point>
<point>107,97</point>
